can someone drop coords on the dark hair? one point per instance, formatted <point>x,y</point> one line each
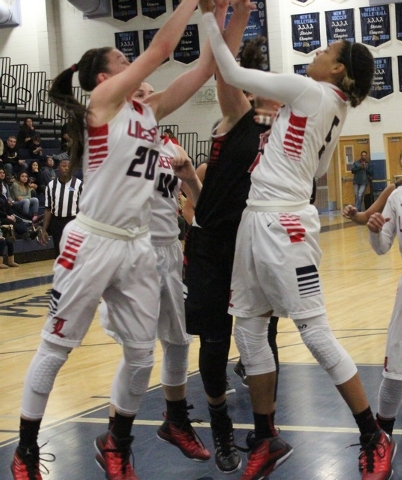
<point>93,61</point>
<point>19,176</point>
<point>359,64</point>
<point>251,55</point>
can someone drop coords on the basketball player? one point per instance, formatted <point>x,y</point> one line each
<point>104,251</point>
<point>164,230</point>
<point>383,230</point>
<point>277,242</point>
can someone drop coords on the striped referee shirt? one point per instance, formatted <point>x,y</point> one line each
<point>63,198</point>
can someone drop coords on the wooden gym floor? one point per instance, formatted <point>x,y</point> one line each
<point>359,288</point>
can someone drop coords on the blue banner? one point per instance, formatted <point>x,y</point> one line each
<point>147,36</point>
<point>400,72</point>
<point>188,49</point>
<point>398,18</point>
<point>128,43</point>
<point>375,23</point>
<point>301,69</point>
<point>382,84</point>
<point>306,32</point>
<point>124,10</point>
<point>340,25</point>
<point>256,26</point>
<point>153,8</point>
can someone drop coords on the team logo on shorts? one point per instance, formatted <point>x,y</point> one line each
<point>294,228</point>
<point>308,281</point>
<point>57,327</point>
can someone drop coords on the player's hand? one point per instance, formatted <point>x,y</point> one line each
<point>246,5</point>
<point>206,6</point>
<point>183,168</point>
<point>376,222</point>
<point>349,212</point>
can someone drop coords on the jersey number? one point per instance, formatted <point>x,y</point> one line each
<point>144,155</point>
<point>335,123</point>
<point>167,184</point>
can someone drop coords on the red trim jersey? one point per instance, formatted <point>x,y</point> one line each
<point>120,163</point>
<point>165,201</point>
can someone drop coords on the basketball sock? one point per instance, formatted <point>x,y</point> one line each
<point>365,421</point>
<point>264,426</point>
<point>176,411</point>
<point>386,424</point>
<point>29,430</point>
<point>122,426</point>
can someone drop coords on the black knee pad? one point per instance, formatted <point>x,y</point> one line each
<point>213,359</point>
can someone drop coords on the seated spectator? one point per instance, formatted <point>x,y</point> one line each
<point>48,173</point>
<point>10,252</point>
<point>34,179</point>
<point>11,160</point>
<point>1,149</point>
<point>24,203</point>
<point>25,134</point>
<point>63,155</point>
<point>7,217</point>
<point>36,150</point>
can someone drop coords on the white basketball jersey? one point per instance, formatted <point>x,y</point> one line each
<point>120,163</point>
<point>298,149</point>
<point>165,201</point>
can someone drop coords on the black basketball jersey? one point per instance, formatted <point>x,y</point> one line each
<point>227,179</point>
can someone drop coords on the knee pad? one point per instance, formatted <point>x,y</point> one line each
<point>325,348</point>
<point>174,364</point>
<point>139,363</point>
<point>49,359</point>
<point>251,340</point>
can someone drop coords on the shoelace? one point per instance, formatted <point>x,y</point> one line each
<point>123,448</point>
<point>224,439</point>
<point>36,462</point>
<point>187,427</point>
<point>367,452</point>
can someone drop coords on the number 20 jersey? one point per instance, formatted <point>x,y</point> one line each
<point>119,164</point>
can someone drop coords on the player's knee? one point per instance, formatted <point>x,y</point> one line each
<point>326,349</point>
<point>139,362</point>
<point>255,352</point>
<point>49,359</point>
<point>175,364</point>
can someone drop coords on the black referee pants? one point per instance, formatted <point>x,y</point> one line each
<point>56,228</point>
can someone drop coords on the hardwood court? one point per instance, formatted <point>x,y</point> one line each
<point>359,288</point>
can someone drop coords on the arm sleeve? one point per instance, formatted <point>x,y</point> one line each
<point>381,242</point>
<point>286,88</point>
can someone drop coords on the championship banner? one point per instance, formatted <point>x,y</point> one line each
<point>382,84</point>
<point>188,49</point>
<point>398,18</point>
<point>257,25</point>
<point>306,32</point>
<point>153,8</point>
<point>340,25</point>
<point>400,72</point>
<point>147,36</point>
<point>301,69</point>
<point>124,10</point>
<point>128,43</point>
<point>375,23</point>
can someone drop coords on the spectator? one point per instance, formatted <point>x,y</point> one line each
<point>36,150</point>
<point>66,139</point>
<point>35,181</point>
<point>7,216</point>
<point>61,205</point>
<point>48,173</point>
<point>26,133</point>
<point>10,252</point>
<point>1,149</point>
<point>11,159</point>
<point>24,203</point>
<point>168,133</point>
<point>63,155</point>
<point>362,174</point>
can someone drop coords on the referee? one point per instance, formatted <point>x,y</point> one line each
<point>61,205</point>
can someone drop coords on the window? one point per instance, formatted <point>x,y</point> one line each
<point>349,156</point>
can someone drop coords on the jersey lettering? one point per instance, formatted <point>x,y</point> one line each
<point>167,184</point>
<point>144,155</point>
<point>139,132</point>
<point>335,123</point>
